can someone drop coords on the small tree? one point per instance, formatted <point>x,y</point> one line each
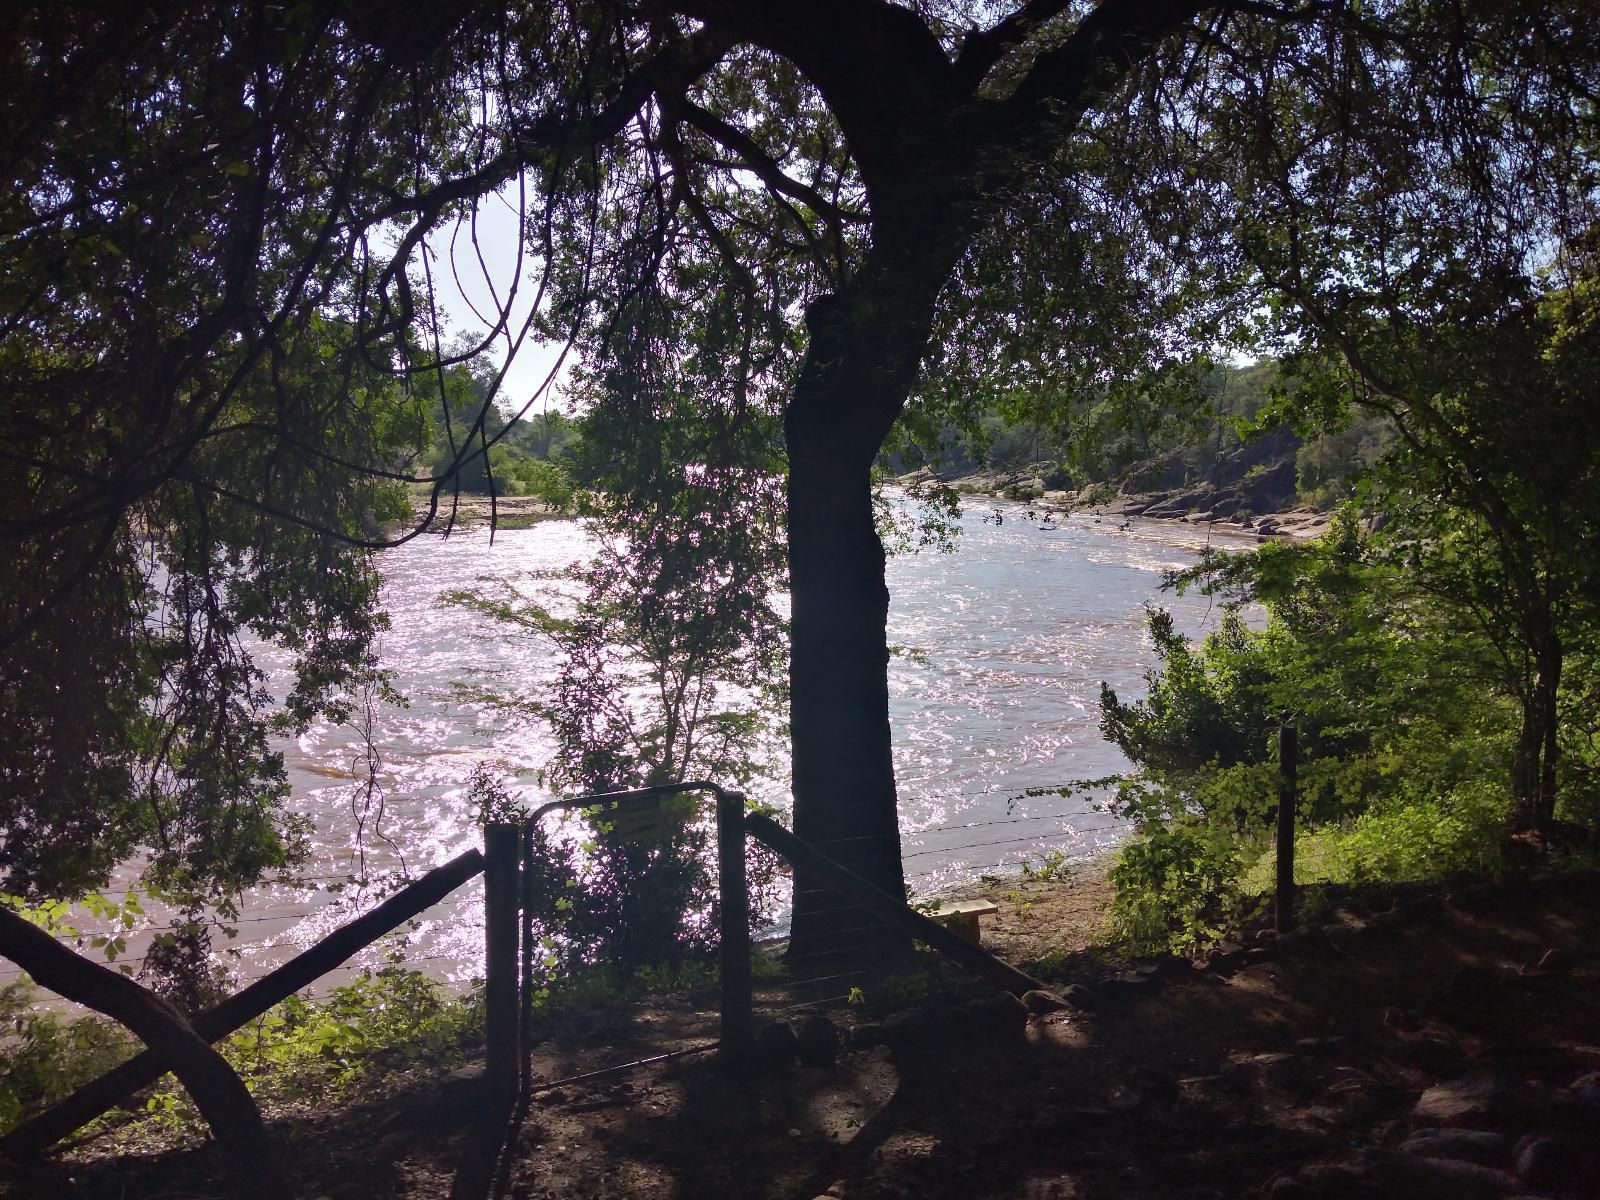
<point>672,664</point>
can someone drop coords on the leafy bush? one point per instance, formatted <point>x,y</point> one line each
<point>1412,838</point>
<point>380,1021</point>
<point>44,1057</point>
<point>1177,887</point>
<point>383,1019</point>
<point>1403,751</point>
<point>550,483</point>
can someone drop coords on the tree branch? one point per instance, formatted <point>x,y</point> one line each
<point>218,1092</point>
<point>879,67</point>
<point>1101,52</point>
<point>984,48</point>
<point>671,70</point>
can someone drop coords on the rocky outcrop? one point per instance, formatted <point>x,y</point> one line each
<point>1251,487</point>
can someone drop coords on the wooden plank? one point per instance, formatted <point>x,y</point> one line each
<point>891,910</point>
<point>99,1095</point>
<point>961,917</point>
<point>974,908</point>
<point>525,965</point>
<point>501,849</point>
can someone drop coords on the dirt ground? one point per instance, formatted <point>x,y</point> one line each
<point>1467,1019</point>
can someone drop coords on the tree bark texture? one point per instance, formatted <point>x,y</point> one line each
<point>845,801</point>
<point>859,369</point>
<point>218,1092</point>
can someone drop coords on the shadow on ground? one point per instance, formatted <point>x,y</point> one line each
<point>1217,1084</point>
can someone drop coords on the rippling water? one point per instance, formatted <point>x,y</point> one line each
<point>1001,648</point>
<point>1016,630</point>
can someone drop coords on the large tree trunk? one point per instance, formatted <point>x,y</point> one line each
<point>860,366</point>
<point>844,790</point>
<point>217,1091</point>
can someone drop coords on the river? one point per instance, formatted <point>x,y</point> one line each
<point>1001,648</point>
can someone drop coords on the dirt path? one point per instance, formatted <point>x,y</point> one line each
<point>1285,1073</point>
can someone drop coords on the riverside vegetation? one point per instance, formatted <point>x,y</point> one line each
<point>778,240</point>
<point>1408,704</point>
<point>1410,694</point>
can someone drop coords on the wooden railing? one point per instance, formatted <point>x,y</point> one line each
<point>98,1096</point>
<point>508,868</point>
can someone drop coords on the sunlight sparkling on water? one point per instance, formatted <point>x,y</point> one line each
<point>994,689</point>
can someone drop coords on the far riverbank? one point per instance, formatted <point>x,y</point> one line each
<point>1249,509</point>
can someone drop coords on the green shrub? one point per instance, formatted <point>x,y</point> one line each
<point>45,1056</point>
<point>1403,838</point>
<point>380,1021</point>
<point>1403,751</point>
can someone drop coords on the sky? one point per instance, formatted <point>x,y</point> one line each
<point>473,291</point>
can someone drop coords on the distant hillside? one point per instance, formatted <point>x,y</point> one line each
<point>1202,462</point>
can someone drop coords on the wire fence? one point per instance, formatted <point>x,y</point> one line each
<point>1074,828</point>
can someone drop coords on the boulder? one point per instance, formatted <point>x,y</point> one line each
<point>1478,1101</point>
<point>1485,1147</point>
<point>1583,1092</point>
<point>1128,985</point>
<point>1081,997</point>
<point>1225,504</point>
<point>999,1015</point>
<point>1267,488</point>
<point>817,1041</point>
<point>1551,1165</point>
<point>912,1025</point>
<point>1345,1180</point>
<point>1418,1177</point>
<point>776,1045</point>
<point>1225,956</point>
<point>1039,1002</point>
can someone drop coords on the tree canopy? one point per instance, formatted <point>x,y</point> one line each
<point>229,227</point>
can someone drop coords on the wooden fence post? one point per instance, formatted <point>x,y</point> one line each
<point>525,967</point>
<point>1288,795</point>
<point>95,1097</point>
<point>501,849</point>
<point>734,934</point>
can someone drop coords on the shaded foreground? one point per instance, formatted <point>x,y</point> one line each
<point>1300,1072</point>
